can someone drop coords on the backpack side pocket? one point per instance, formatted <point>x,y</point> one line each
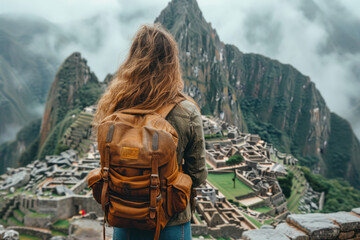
<point>178,193</point>
<point>95,182</point>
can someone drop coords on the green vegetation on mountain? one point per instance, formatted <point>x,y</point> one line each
<point>260,95</point>
<point>286,184</point>
<point>343,150</point>
<point>53,140</point>
<point>74,88</point>
<point>339,195</point>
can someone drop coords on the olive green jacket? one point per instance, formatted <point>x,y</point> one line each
<point>186,119</point>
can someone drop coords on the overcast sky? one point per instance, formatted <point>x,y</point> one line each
<point>279,29</point>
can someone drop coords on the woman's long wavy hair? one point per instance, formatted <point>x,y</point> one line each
<point>149,77</point>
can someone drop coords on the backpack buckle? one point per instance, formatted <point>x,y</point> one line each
<point>158,198</point>
<point>154,182</point>
<point>106,173</point>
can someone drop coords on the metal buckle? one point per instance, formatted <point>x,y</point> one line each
<point>152,208</point>
<point>158,198</point>
<point>106,174</point>
<point>154,187</point>
<point>154,175</point>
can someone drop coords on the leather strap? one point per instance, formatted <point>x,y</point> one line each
<point>154,177</point>
<point>158,226</point>
<point>163,111</point>
<point>105,176</point>
<point>104,192</point>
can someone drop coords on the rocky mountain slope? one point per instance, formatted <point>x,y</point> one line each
<point>74,88</point>
<point>261,95</point>
<point>258,94</point>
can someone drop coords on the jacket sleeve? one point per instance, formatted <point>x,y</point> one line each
<point>194,154</point>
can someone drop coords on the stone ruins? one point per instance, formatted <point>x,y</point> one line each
<point>241,194</point>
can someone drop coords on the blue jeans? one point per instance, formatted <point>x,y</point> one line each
<point>178,232</point>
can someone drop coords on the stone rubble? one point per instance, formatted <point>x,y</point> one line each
<point>331,226</point>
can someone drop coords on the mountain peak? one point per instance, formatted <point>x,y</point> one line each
<point>180,12</point>
<point>259,95</point>
<point>64,94</point>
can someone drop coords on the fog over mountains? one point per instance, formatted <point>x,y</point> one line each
<point>321,38</point>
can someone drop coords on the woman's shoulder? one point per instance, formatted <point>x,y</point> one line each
<point>185,109</point>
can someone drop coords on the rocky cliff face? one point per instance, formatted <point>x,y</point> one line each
<point>64,95</point>
<point>259,94</point>
<point>74,88</point>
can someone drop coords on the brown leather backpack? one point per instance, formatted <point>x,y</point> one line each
<point>139,184</point>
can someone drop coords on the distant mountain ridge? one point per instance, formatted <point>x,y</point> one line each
<point>75,86</point>
<point>261,95</point>
<point>25,76</point>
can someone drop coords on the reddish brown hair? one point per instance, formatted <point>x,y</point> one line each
<point>148,78</point>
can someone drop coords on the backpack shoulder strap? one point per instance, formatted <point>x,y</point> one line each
<point>165,110</point>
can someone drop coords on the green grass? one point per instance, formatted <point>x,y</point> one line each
<point>296,190</point>
<point>253,220</point>
<point>226,186</point>
<point>62,224</point>
<point>57,233</point>
<point>3,222</point>
<point>17,222</point>
<point>28,237</point>
<point>264,209</point>
<point>19,212</point>
<point>198,217</point>
<point>269,221</point>
<point>36,214</point>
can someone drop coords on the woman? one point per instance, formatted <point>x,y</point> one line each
<point>149,78</point>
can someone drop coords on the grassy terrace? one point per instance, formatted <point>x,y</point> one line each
<point>253,220</point>
<point>17,222</point>
<point>226,186</point>
<point>57,233</point>
<point>28,237</point>
<point>3,222</point>
<point>19,212</point>
<point>40,215</point>
<point>296,190</point>
<point>264,209</point>
<point>269,221</point>
<point>62,224</point>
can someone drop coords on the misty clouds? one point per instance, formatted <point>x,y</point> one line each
<point>320,37</point>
